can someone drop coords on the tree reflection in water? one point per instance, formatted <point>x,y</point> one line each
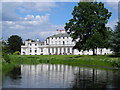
<point>95,78</point>
<point>15,72</point>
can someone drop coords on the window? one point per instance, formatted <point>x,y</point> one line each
<point>23,53</point>
<point>30,51</point>
<point>35,44</point>
<point>63,42</point>
<point>35,50</point>
<point>59,42</point>
<point>56,42</point>
<point>41,49</point>
<point>67,42</point>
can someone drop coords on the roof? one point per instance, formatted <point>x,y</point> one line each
<point>61,35</point>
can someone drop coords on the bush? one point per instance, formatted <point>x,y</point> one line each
<point>116,63</point>
<point>6,57</point>
<point>16,53</point>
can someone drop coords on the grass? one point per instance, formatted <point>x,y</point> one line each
<point>101,60</point>
<point>74,60</point>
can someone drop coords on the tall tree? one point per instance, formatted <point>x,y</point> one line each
<point>14,43</point>
<point>115,39</point>
<point>87,27</point>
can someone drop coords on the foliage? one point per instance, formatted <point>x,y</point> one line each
<point>6,57</point>
<point>87,27</point>
<point>16,53</point>
<point>28,39</point>
<point>14,43</point>
<point>115,40</point>
<point>6,49</point>
<point>116,63</point>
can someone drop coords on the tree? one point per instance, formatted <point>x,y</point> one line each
<point>115,40</point>
<point>14,43</point>
<point>87,27</point>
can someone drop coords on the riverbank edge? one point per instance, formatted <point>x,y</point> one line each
<point>99,61</point>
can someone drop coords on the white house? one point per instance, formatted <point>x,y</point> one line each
<point>59,44</point>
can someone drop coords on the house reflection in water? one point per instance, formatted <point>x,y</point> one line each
<point>63,76</point>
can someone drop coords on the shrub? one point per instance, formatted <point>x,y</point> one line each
<point>116,63</point>
<point>6,57</point>
<point>16,53</point>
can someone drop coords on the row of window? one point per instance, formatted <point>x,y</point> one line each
<point>60,42</point>
<point>31,44</point>
<point>36,50</point>
<point>55,50</point>
<point>59,37</point>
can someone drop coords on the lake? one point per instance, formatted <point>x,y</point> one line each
<point>60,76</point>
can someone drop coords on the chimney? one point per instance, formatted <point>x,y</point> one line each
<point>37,40</point>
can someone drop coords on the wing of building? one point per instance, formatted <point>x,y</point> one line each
<point>59,44</point>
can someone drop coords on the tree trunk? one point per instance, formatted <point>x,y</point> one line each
<point>93,51</point>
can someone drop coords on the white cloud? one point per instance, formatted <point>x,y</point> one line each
<point>112,23</point>
<point>113,5</point>
<point>36,27</point>
<point>40,0</point>
<point>11,9</point>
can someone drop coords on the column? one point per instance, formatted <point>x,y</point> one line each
<point>47,51</point>
<point>70,50</point>
<point>62,51</point>
<point>66,50</point>
<point>58,51</point>
<point>54,50</point>
<point>50,50</point>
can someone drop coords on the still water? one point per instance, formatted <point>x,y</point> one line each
<point>60,76</point>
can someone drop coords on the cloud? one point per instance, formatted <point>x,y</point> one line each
<point>12,10</point>
<point>112,23</point>
<point>30,27</point>
<point>40,0</point>
<point>113,5</point>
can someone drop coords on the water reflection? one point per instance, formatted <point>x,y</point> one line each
<point>15,72</point>
<point>61,76</point>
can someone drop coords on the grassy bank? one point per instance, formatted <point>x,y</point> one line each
<point>74,60</point>
<point>66,59</point>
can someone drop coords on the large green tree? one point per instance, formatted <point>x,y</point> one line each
<point>14,43</point>
<point>115,40</point>
<point>88,25</point>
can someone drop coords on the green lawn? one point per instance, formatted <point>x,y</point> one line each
<point>75,60</point>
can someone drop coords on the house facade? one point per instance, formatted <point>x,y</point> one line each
<point>59,44</point>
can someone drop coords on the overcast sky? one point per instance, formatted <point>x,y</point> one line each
<point>41,19</point>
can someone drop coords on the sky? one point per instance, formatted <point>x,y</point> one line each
<point>41,19</point>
